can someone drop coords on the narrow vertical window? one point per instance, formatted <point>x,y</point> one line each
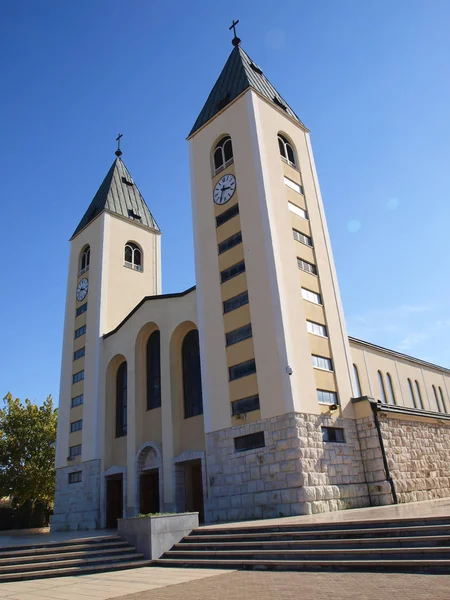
<point>121,400</point>
<point>357,381</point>
<point>383,391</point>
<point>192,381</point>
<point>419,395</point>
<point>85,259</point>
<point>444,407</point>
<point>391,389</point>
<point>154,370</point>
<point>411,390</point>
<point>436,399</point>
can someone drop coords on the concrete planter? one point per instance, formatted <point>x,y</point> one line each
<point>155,535</point>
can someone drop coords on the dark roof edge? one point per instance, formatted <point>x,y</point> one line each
<point>252,89</point>
<point>399,354</point>
<point>116,215</point>
<point>145,299</point>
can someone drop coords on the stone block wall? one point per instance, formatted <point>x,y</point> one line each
<point>372,457</point>
<point>77,505</point>
<point>418,456</point>
<point>294,473</point>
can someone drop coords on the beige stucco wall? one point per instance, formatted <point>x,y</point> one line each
<point>277,310</point>
<point>165,426</point>
<point>369,360</point>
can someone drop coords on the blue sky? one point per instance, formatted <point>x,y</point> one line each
<point>370,79</point>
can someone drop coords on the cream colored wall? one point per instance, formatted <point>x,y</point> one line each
<point>92,235</point>
<point>126,287</point>
<point>370,360</point>
<point>278,312</point>
<point>172,316</point>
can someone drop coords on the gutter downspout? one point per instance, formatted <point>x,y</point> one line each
<point>376,419</point>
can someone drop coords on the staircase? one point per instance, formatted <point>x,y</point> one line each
<point>393,545</point>
<point>74,557</point>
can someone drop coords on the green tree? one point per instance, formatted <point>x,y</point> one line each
<point>27,450</point>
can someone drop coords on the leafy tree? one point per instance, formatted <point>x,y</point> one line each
<point>27,450</point>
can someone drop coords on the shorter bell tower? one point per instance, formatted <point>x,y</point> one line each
<point>115,261</point>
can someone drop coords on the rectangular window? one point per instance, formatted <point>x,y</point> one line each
<point>230,242</point>
<point>242,369</point>
<point>249,442</point>
<point>294,186</point>
<point>227,215</point>
<point>232,271</point>
<point>237,335</point>
<point>77,400</point>
<point>81,309</point>
<point>79,353</point>
<point>80,331</point>
<point>297,210</point>
<point>75,477</point>
<point>76,425</point>
<point>78,376</point>
<point>302,238</point>
<point>304,265</point>
<point>326,397</point>
<point>322,362</point>
<point>316,328</point>
<point>333,434</point>
<point>235,302</point>
<point>245,405</point>
<point>74,451</point>
<point>311,296</point>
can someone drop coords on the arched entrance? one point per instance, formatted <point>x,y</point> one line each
<point>149,478</point>
<point>189,479</point>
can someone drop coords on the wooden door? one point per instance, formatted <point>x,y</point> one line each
<point>197,490</point>
<point>114,502</point>
<point>149,492</point>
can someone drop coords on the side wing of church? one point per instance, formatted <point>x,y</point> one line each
<point>242,397</point>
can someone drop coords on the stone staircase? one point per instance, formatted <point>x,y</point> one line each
<point>391,545</point>
<point>75,557</point>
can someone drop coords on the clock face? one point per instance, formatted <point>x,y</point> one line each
<point>82,289</point>
<point>224,189</point>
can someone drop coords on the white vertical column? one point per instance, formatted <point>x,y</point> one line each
<point>167,421</point>
<point>131,510</point>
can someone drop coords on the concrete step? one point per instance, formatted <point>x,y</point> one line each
<point>384,566</point>
<point>78,570</point>
<point>187,544</point>
<point>39,557</point>
<point>88,541</point>
<point>331,525</point>
<point>52,565</point>
<point>293,532</point>
<point>40,550</point>
<point>308,554</point>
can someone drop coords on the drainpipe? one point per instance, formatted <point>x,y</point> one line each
<point>374,406</point>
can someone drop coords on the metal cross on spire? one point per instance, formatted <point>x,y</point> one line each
<point>235,41</point>
<point>118,152</point>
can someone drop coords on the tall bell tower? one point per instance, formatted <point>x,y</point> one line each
<point>115,260</point>
<point>275,353</point>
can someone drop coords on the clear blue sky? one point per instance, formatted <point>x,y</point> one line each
<point>370,79</point>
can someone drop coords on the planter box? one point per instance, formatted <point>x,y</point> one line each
<point>155,535</point>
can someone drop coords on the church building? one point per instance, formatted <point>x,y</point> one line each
<point>242,397</point>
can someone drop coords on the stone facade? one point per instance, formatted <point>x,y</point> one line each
<point>418,457</point>
<point>416,448</point>
<point>77,505</point>
<point>296,472</point>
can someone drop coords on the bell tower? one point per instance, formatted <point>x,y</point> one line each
<point>115,261</point>
<point>275,352</point>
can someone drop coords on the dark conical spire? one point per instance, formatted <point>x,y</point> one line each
<point>118,194</point>
<point>238,74</point>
